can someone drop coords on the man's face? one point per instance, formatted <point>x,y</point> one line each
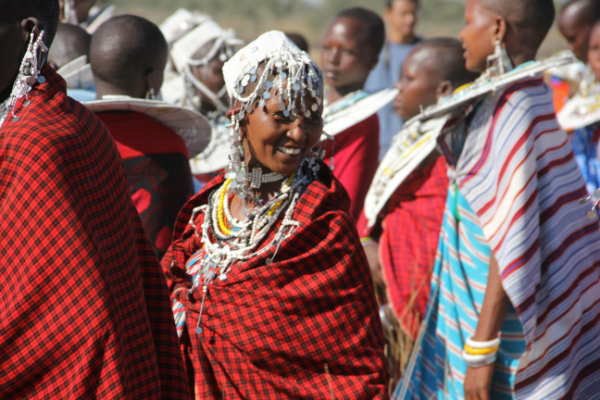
<point>346,55</point>
<point>402,17</point>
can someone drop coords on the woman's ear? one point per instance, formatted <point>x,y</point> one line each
<point>500,28</point>
<point>28,26</point>
<point>444,88</point>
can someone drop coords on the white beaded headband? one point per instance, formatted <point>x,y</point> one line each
<point>271,60</point>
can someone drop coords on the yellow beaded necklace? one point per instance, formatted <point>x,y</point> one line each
<point>221,207</point>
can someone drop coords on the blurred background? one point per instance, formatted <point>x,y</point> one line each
<point>249,18</point>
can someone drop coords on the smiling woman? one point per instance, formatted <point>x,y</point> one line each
<point>266,270</point>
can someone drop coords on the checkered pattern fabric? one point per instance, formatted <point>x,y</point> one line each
<point>157,169</point>
<point>302,327</point>
<point>409,240</point>
<point>84,309</point>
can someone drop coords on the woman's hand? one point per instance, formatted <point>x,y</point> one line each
<point>478,381</point>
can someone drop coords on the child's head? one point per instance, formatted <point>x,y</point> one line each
<point>575,22</point>
<point>520,25</point>
<point>71,41</point>
<point>350,48</point>
<point>431,70</point>
<point>593,54</point>
<point>128,55</point>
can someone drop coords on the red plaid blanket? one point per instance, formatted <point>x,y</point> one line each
<point>304,326</point>
<point>84,310</point>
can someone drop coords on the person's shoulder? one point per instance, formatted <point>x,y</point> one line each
<point>525,93</point>
<point>323,195</point>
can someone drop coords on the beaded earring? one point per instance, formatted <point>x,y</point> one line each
<point>29,73</point>
<point>499,62</point>
<point>236,169</point>
<point>151,94</point>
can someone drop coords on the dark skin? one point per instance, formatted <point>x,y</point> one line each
<point>346,57</point>
<point>420,83</point>
<point>264,132</point>
<point>495,304</point>
<point>493,311</point>
<point>139,87</point>
<point>575,28</point>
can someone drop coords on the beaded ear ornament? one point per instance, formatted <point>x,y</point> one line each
<point>28,76</point>
<point>270,66</point>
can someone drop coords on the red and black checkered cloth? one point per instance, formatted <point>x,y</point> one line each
<point>302,327</point>
<point>84,309</point>
<point>157,169</point>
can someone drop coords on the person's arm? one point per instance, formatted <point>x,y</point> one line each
<point>371,248</point>
<point>478,380</point>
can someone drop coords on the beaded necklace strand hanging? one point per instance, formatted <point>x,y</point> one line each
<point>229,242</point>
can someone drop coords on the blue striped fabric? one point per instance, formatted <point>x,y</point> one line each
<point>461,272</point>
<point>518,175</point>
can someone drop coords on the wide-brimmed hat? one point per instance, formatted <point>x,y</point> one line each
<point>190,125</point>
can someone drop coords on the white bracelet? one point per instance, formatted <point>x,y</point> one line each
<point>483,345</point>
<point>478,360</point>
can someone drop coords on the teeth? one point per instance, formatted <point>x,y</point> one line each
<point>292,151</point>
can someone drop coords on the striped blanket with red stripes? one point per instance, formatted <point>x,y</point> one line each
<point>518,173</point>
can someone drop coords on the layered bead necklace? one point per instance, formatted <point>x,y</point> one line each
<point>228,242</point>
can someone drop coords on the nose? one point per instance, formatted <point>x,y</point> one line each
<point>399,85</point>
<point>333,56</point>
<point>297,131</point>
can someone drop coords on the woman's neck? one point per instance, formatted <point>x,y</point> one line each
<point>334,94</point>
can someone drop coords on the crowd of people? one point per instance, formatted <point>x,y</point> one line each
<point>189,215</point>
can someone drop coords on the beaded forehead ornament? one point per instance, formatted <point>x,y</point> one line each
<point>282,62</point>
<point>271,61</point>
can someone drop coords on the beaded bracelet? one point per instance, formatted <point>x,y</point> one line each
<point>483,345</point>
<point>475,351</point>
<point>478,360</point>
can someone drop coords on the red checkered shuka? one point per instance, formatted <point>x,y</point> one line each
<point>84,309</point>
<point>304,326</point>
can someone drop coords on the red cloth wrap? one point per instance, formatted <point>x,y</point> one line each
<point>84,309</point>
<point>270,330</point>
<point>157,168</point>
<point>410,230</point>
<point>355,160</point>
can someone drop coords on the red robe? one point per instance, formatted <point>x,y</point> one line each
<point>355,160</point>
<point>84,309</point>
<point>409,236</point>
<point>272,331</point>
<point>156,164</point>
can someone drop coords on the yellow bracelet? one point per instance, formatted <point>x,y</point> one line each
<point>477,352</point>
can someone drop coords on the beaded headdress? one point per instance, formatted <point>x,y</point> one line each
<point>271,61</point>
<point>201,30</point>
